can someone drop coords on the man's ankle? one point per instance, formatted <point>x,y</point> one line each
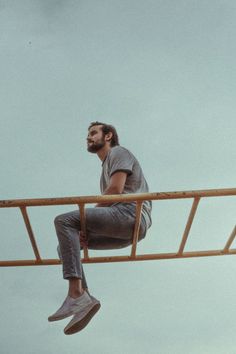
<point>75,294</point>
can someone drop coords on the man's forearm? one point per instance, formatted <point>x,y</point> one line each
<point>108,191</point>
<point>116,186</point>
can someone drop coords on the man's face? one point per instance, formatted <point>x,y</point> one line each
<point>95,139</point>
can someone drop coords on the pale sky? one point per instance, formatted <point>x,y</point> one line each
<point>162,72</point>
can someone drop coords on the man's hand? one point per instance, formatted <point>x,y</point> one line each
<point>83,239</point>
<point>116,186</point>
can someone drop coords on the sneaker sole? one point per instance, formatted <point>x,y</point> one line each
<point>78,326</point>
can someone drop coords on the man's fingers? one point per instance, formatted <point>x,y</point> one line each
<point>82,236</point>
<point>83,239</point>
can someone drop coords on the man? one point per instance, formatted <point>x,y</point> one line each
<point>108,225</point>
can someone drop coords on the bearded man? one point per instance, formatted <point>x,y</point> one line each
<point>108,225</point>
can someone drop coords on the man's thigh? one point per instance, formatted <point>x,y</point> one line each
<point>106,227</point>
<point>110,222</point>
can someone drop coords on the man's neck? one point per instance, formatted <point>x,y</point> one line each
<point>102,153</point>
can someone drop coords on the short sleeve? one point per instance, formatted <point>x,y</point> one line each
<point>120,159</point>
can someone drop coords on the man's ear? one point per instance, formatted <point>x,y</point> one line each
<point>108,136</point>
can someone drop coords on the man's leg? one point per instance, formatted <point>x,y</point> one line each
<point>84,282</point>
<point>112,227</point>
<point>77,300</point>
<point>67,228</point>
<point>116,222</point>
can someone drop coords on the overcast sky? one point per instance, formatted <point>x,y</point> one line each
<point>163,72</point>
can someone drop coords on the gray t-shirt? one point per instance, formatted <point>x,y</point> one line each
<point>121,159</point>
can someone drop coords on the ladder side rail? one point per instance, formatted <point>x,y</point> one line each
<point>159,256</point>
<point>112,259</point>
<point>29,262</point>
<point>118,198</point>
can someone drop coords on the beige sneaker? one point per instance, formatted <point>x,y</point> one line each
<point>71,306</point>
<point>82,318</point>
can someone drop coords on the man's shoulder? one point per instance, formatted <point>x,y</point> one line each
<point>120,156</point>
<point>120,150</point>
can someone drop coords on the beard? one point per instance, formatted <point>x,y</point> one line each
<point>95,147</point>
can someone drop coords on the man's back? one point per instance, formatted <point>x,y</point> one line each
<point>120,159</point>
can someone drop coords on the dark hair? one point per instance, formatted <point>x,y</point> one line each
<point>107,128</point>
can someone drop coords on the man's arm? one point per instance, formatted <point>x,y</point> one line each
<point>116,186</point>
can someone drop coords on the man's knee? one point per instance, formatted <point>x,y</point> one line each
<point>60,220</point>
<point>71,219</point>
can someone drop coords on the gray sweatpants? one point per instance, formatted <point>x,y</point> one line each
<point>106,228</point>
